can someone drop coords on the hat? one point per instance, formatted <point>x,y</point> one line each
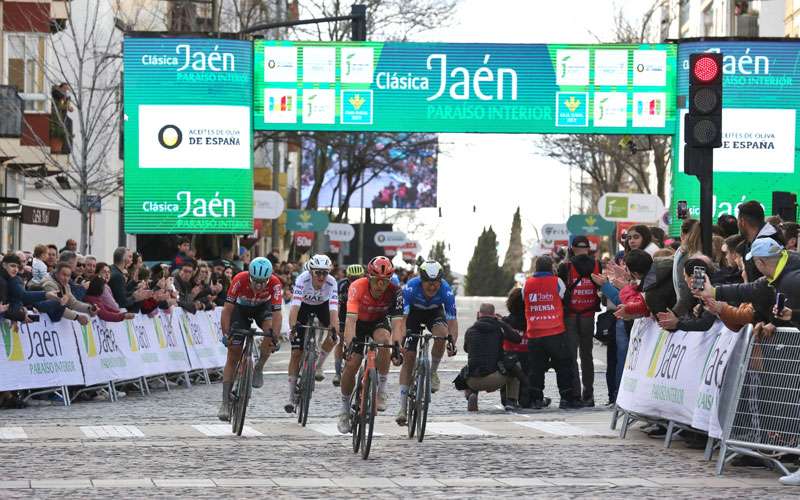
<point>764,248</point>
<point>580,242</point>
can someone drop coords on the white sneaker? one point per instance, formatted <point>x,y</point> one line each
<point>401,418</point>
<point>435,382</point>
<point>344,422</point>
<point>792,479</point>
<point>382,398</point>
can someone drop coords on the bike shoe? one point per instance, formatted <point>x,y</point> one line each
<point>344,422</point>
<point>401,417</point>
<point>319,375</point>
<point>224,412</point>
<point>382,398</point>
<point>435,382</point>
<point>258,376</point>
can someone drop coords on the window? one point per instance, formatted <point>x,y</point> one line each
<point>25,62</point>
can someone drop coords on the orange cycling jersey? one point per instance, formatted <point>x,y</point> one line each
<point>360,301</point>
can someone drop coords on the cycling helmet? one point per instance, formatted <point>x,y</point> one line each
<point>430,270</point>
<point>354,271</point>
<point>380,267</point>
<point>260,269</point>
<point>320,262</point>
<point>306,266</point>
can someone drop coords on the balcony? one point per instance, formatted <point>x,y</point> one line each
<point>10,112</point>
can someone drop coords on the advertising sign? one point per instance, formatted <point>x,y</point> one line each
<point>589,224</point>
<point>637,207</point>
<point>267,204</point>
<point>390,238</point>
<point>304,239</point>
<point>188,135</point>
<point>449,87</point>
<point>306,220</point>
<point>340,232</point>
<point>551,233</point>
<point>761,91</point>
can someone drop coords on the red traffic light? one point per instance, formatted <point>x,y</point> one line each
<point>706,68</point>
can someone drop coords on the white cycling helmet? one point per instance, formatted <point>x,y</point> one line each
<point>320,262</point>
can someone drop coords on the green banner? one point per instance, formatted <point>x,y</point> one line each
<point>589,224</point>
<point>439,87</point>
<point>188,135</point>
<point>306,220</point>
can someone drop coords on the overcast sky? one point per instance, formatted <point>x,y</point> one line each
<point>497,173</point>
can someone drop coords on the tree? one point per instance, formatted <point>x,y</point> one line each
<point>437,254</point>
<point>512,263</point>
<point>484,276</point>
<point>85,66</point>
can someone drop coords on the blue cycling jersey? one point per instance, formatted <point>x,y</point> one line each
<point>413,296</point>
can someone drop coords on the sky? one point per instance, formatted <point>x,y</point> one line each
<point>497,173</point>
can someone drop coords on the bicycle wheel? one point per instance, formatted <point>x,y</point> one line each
<point>423,398</point>
<point>301,383</point>
<point>368,426</point>
<point>411,405</point>
<point>243,386</point>
<point>355,412</point>
<point>307,388</point>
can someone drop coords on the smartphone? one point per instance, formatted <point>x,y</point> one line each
<point>698,278</point>
<point>683,209</point>
<point>780,301</point>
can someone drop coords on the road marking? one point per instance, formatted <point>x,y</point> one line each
<point>217,430</point>
<point>557,428</point>
<point>12,433</point>
<point>111,431</point>
<point>455,429</point>
<point>331,429</point>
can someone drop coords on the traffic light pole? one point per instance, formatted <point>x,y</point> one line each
<point>706,211</point>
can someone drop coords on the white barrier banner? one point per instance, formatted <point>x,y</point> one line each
<point>106,352</point>
<point>677,375</point>
<point>168,326</point>
<point>36,355</point>
<point>145,339</point>
<point>203,340</point>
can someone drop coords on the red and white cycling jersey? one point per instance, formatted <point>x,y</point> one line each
<point>305,293</point>
<point>241,293</point>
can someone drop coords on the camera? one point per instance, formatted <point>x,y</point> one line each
<point>698,278</point>
<point>683,209</point>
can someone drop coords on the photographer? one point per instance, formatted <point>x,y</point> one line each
<point>483,343</point>
<point>515,355</point>
<point>697,318</point>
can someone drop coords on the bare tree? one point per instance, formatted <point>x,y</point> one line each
<point>616,163</point>
<point>83,64</point>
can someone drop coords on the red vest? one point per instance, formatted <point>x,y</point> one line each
<point>544,311</point>
<point>584,298</point>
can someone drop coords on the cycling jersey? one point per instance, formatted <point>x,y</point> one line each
<point>414,297</point>
<point>369,309</point>
<point>305,293</point>
<point>241,293</point>
<point>343,286</point>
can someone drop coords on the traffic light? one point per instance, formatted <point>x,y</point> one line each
<point>703,122</point>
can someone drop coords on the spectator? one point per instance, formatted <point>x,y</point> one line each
<point>729,272</point>
<point>639,237</point>
<point>134,267</point>
<point>658,236</point>
<point>90,261</point>
<point>71,245</point>
<point>691,244</point>
<point>632,300</point>
<point>71,258</point>
<point>728,225</point>
<point>187,291</point>
<point>657,285</point>
<point>52,257</point>
<point>58,282</point>
<point>545,331</point>
<point>698,318</point>
<point>119,279</point>
<point>483,345</point>
<point>184,245</point>
<point>105,310</point>
<point>753,226</point>
<point>38,265</point>
<point>19,299</point>
<point>581,302</point>
<point>790,230</point>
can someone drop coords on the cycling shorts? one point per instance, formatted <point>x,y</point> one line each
<point>418,320</point>
<point>321,311</point>
<point>365,329</point>
<point>243,316</point>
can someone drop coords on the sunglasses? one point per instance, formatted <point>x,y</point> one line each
<point>320,273</point>
<point>377,280</point>
<point>79,264</point>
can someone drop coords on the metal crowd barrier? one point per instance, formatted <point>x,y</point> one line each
<point>766,406</point>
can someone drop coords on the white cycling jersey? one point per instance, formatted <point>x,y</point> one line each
<point>305,293</point>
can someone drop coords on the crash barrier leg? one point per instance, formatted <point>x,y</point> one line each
<point>766,407</point>
<point>615,417</point>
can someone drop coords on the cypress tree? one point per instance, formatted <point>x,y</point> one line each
<point>512,263</point>
<point>484,275</point>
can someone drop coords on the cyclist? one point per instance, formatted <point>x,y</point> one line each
<point>314,293</point>
<point>352,273</point>
<point>372,302</point>
<point>255,294</point>
<point>428,302</point>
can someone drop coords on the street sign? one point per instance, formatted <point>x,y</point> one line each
<point>188,135</point>
<point>637,207</point>
<point>267,204</point>
<point>554,232</point>
<point>306,220</point>
<point>94,203</point>
<point>340,232</point>
<point>589,224</point>
<point>40,216</point>
<point>390,238</point>
<point>464,87</point>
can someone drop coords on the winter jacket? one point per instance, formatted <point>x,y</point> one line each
<point>736,317</point>
<point>483,345</point>
<point>694,321</point>
<point>519,324</point>
<point>633,300</point>
<point>18,297</point>
<point>767,231</point>
<point>112,315</point>
<point>659,292</point>
<point>74,306</point>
